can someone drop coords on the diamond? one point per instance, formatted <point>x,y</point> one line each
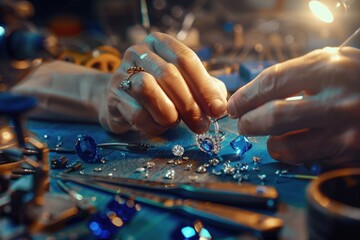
<point>178,150</point>
<point>240,145</point>
<point>201,169</point>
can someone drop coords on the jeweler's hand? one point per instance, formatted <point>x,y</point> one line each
<point>174,86</point>
<point>325,124</point>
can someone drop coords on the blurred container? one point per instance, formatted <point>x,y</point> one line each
<point>334,205</point>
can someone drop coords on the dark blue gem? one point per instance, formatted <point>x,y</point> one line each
<point>101,226</point>
<point>240,145</point>
<point>207,145</point>
<point>105,224</point>
<point>87,150</point>
<point>124,209</point>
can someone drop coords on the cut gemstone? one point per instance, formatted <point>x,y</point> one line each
<point>87,149</point>
<point>105,224</point>
<point>240,145</point>
<point>208,143</point>
<point>178,150</point>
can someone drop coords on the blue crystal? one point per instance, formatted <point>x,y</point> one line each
<point>125,209</point>
<point>102,224</point>
<point>240,145</point>
<point>207,145</point>
<point>87,149</point>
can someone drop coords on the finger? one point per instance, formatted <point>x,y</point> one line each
<point>172,83</point>
<point>137,116</point>
<point>304,146</point>
<point>281,116</point>
<point>201,84</point>
<point>145,90</point>
<point>111,119</point>
<point>281,81</point>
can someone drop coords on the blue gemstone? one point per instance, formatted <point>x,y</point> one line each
<point>124,209</point>
<point>207,145</point>
<point>102,224</point>
<point>87,150</point>
<point>240,145</point>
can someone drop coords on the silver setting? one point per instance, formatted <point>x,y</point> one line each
<point>213,140</point>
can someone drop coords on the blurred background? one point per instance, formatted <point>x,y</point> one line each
<point>223,33</point>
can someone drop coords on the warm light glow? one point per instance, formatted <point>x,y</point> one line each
<point>294,98</point>
<point>321,11</point>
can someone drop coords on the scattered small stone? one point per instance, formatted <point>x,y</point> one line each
<point>140,169</point>
<point>201,169</point>
<point>150,165</point>
<point>170,174</point>
<point>214,162</point>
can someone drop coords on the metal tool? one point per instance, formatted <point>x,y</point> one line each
<point>221,215</point>
<point>132,147</point>
<point>299,176</point>
<point>81,202</point>
<point>244,195</point>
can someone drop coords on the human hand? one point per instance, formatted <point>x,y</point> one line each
<point>325,124</point>
<point>174,86</point>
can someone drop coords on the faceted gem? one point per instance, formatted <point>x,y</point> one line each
<point>87,149</point>
<point>201,169</point>
<point>178,150</point>
<point>105,224</point>
<point>170,174</point>
<point>208,143</point>
<point>241,145</point>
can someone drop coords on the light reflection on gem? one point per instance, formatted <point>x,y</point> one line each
<point>188,232</point>
<point>201,169</point>
<point>241,145</point>
<point>178,150</point>
<point>214,161</point>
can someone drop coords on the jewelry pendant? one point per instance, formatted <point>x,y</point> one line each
<point>208,143</point>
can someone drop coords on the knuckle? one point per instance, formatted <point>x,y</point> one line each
<point>276,115</point>
<point>245,125</point>
<point>186,58</point>
<point>351,139</point>
<point>154,36</point>
<point>269,80</point>
<point>130,52</point>
<point>168,71</point>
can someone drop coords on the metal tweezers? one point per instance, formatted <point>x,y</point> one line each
<point>223,215</point>
<point>132,147</point>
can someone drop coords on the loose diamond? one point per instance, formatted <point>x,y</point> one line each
<point>178,150</point>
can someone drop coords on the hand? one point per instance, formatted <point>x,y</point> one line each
<point>325,124</point>
<point>174,86</point>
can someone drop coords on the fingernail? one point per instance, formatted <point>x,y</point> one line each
<point>218,107</point>
<point>203,125</point>
<point>231,109</point>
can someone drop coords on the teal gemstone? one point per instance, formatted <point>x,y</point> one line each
<point>241,145</point>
